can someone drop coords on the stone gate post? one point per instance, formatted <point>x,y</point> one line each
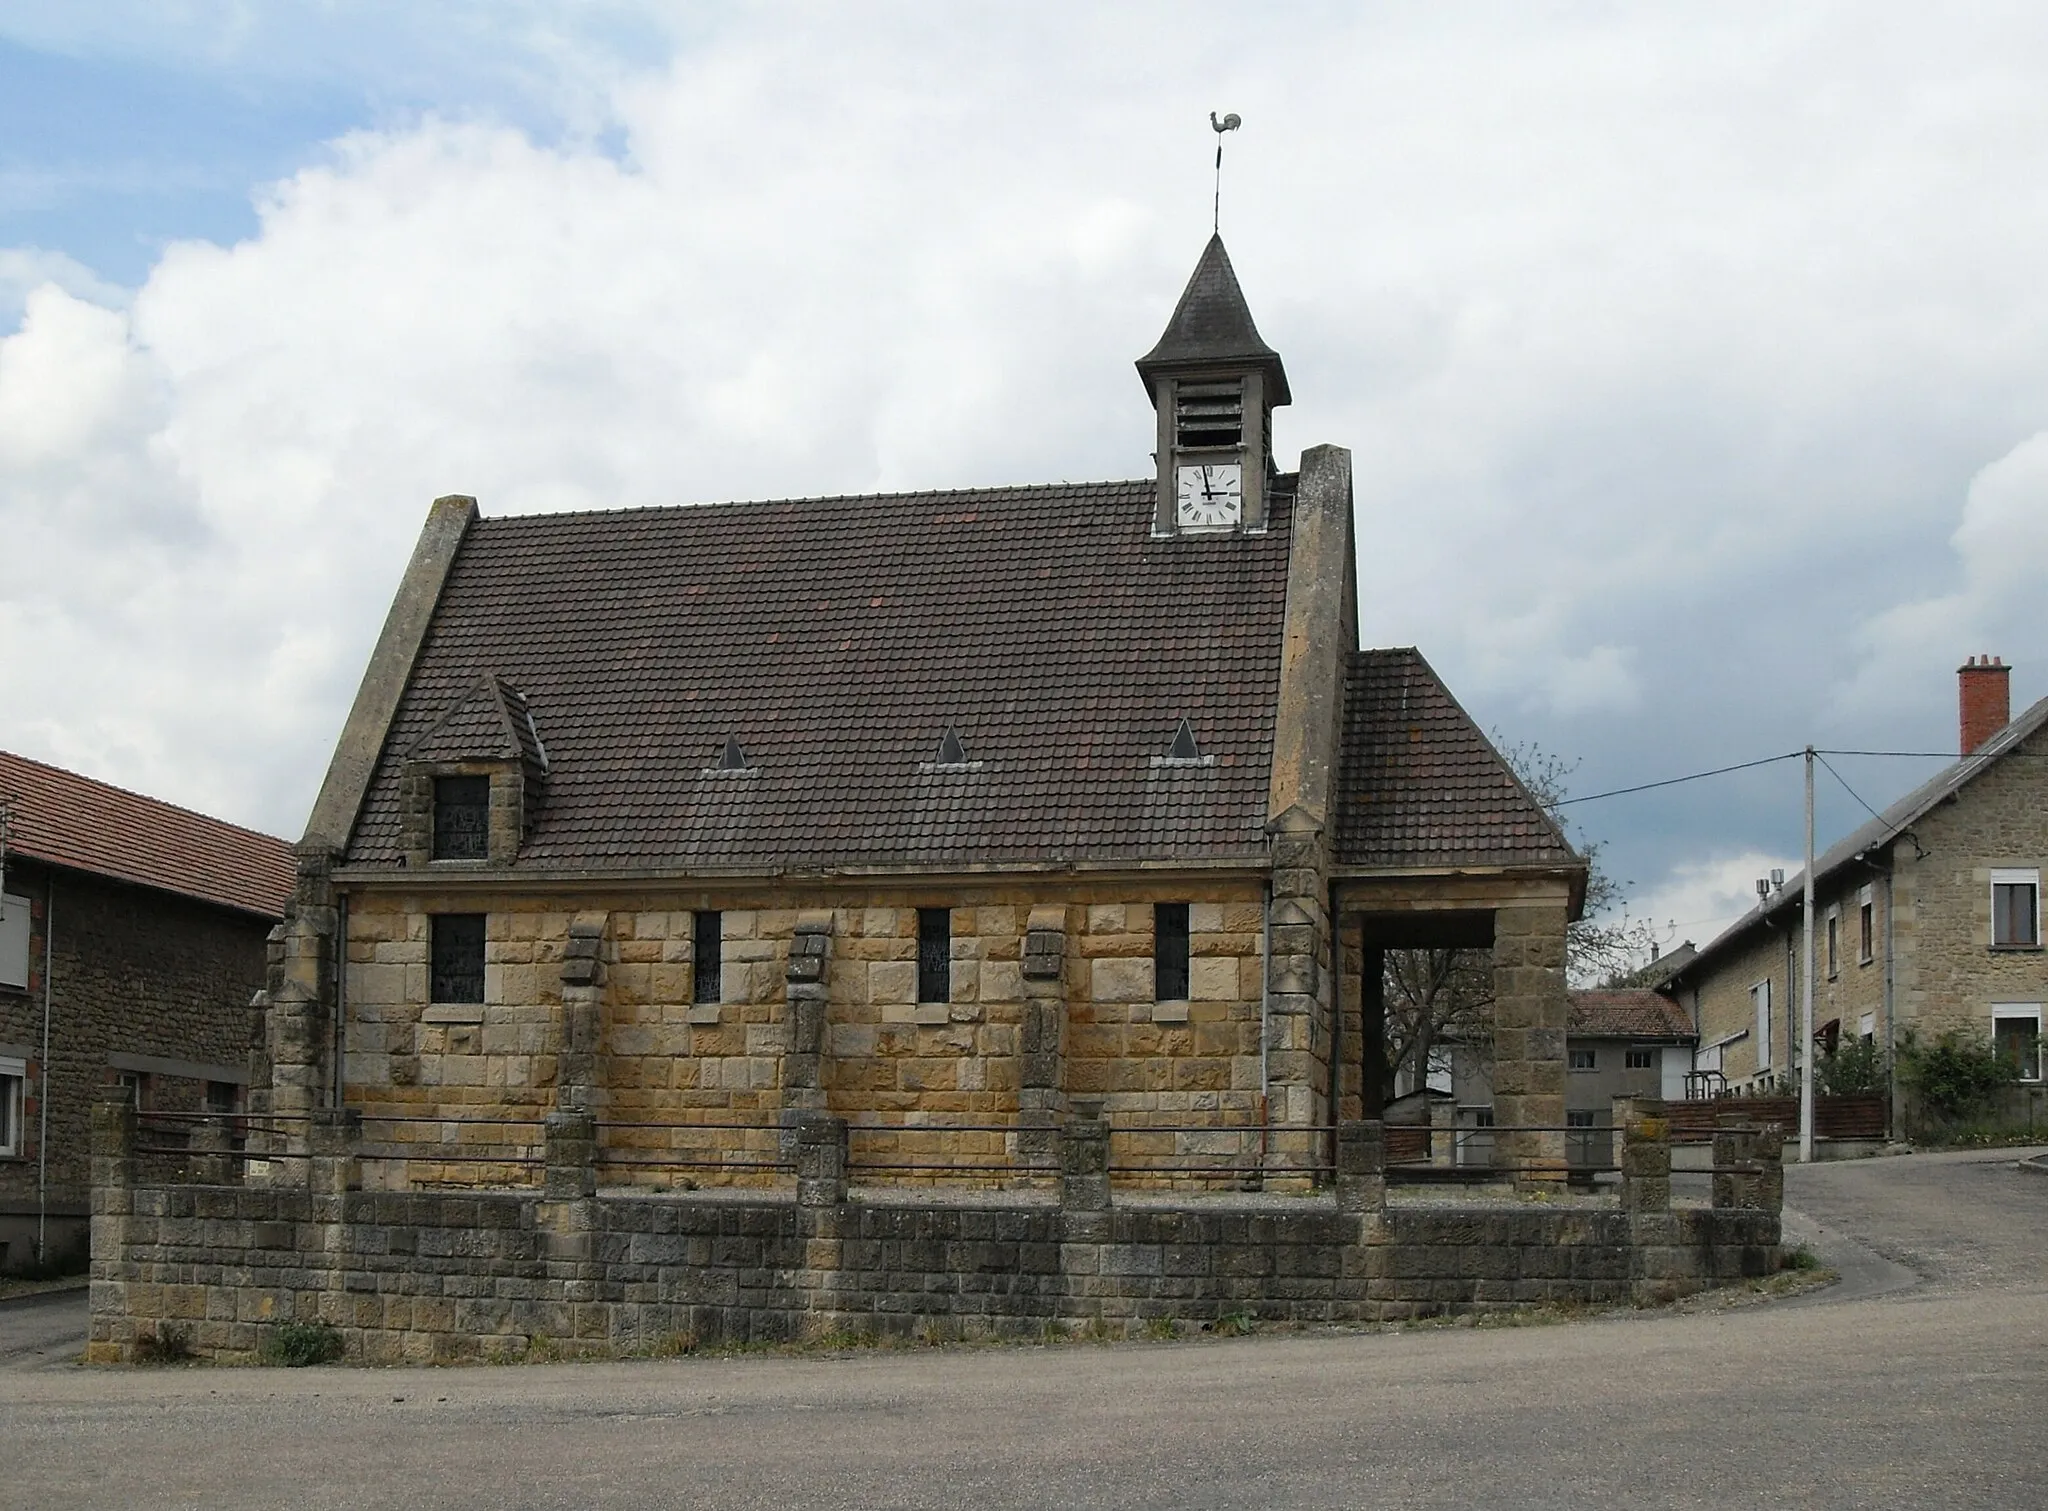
<point>1041,1094</point>
<point>1529,1042</point>
<point>1361,1167</point>
<point>1084,1165</point>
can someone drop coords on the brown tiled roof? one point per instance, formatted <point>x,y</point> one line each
<point>837,639</point>
<point>70,820</point>
<point>1421,786</point>
<point>1629,1014</point>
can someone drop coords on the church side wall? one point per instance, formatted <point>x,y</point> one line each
<point>664,1063</point>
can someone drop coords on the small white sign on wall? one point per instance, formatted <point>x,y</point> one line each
<point>14,941</point>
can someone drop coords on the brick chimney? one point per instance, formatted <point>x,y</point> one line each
<point>1983,700</point>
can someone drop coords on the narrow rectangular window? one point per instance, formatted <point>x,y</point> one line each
<point>457,969</point>
<point>2016,909</point>
<point>1170,952</point>
<point>934,954</point>
<point>1640,1059</point>
<point>2016,1030</point>
<point>462,818</point>
<point>1834,944</point>
<point>1760,999</point>
<point>707,956</point>
<point>1583,1059</point>
<point>14,946</point>
<point>223,1096</point>
<point>1866,933</point>
<point>13,1096</point>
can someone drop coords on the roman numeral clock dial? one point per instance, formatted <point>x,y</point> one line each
<point>1209,496</point>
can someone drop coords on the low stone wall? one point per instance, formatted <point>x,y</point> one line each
<point>431,1277</point>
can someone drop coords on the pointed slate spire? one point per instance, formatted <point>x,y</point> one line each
<point>1212,327</point>
<point>733,758</point>
<point>1184,746</point>
<point>951,751</point>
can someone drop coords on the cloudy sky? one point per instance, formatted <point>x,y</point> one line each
<point>1694,358</point>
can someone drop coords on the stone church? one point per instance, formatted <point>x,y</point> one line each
<point>951,814</point>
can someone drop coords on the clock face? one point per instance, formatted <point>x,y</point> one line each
<point>1209,495</point>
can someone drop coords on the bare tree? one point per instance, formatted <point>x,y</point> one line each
<point>1435,998</point>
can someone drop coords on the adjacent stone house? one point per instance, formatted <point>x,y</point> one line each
<point>132,940</point>
<point>1927,918</point>
<point>970,808</point>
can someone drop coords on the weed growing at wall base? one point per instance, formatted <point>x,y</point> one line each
<point>293,1345</point>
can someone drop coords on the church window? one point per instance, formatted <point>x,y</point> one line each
<point>462,818</point>
<point>1170,952</point>
<point>458,957</point>
<point>707,954</point>
<point>1208,415</point>
<point>934,954</point>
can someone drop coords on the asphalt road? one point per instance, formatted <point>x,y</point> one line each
<point>1920,1381</point>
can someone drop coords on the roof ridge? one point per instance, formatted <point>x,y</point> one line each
<point>1146,484</point>
<point>143,797</point>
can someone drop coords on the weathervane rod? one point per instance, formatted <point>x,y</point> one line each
<point>1229,123</point>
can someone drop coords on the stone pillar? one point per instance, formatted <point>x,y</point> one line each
<point>820,1161</point>
<point>333,1169</point>
<point>804,999</point>
<point>582,988</point>
<point>570,1156</point>
<point>1645,1155</point>
<point>1529,1042</point>
<point>568,1208</point>
<point>1749,1165</point>
<point>1042,1048</point>
<point>1361,1167</point>
<point>1299,1000</point>
<point>1659,1269</point>
<point>299,1021</point>
<point>112,1333</point>
<point>1084,1165</point>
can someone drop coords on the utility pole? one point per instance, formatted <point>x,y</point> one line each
<point>1806,989</point>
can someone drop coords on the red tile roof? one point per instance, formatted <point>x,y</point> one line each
<point>837,639</point>
<point>1421,786</point>
<point>69,820</point>
<point>1630,1014</point>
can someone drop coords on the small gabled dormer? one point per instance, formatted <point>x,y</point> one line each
<point>1214,385</point>
<point>472,783</point>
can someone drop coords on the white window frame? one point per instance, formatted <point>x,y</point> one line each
<point>1760,1001</point>
<point>1571,1058</point>
<point>2016,877</point>
<point>1866,927</point>
<point>1628,1056</point>
<point>2022,1010</point>
<point>1831,932</point>
<point>15,935</point>
<point>13,1102</point>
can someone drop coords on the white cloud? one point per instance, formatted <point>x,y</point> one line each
<point>1661,338</point>
<point>1698,899</point>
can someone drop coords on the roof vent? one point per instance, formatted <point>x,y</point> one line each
<point>1185,751</point>
<point>951,751</point>
<point>733,758</point>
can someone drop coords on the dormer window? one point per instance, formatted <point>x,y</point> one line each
<point>1209,415</point>
<point>462,818</point>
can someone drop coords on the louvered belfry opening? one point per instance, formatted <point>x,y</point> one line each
<point>1208,414</point>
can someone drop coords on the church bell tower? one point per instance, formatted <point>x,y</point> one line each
<point>1214,385</point>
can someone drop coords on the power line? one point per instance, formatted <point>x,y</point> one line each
<point>1847,788</point>
<point>1696,776</point>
